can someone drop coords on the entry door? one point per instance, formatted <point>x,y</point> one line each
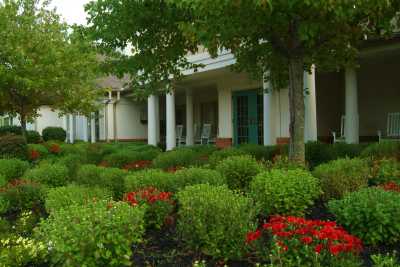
<point>246,119</point>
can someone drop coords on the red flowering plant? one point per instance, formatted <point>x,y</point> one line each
<point>55,148</point>
<point>137,165</point>
<point>160,205</point>
<point>33,155</point>
<point>390,186</point>
<point>299,242</point>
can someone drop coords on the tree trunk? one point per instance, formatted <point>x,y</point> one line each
<point>23,123</point>
<point>297,110</point>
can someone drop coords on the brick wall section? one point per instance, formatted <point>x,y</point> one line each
<point>282,140</point>
<point>223,142</point>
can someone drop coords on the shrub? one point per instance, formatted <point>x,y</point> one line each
<point>26,222</point>
<point>371,214</point>
<point>384,171</point>
<point>104,236</point>
<point>163,181</point>
<point>220,155</point>
<point>13,146</point>
<point>318,153</point>
<point>387,149</point>
<point>261,152</point>
<point>214,220</point>
<point>23,195</point>
<point>49,174</point>
<point>13,168</point>
<point>343,150</point>
<point>63,197</point>
<point>72,162</point>
<point>159,205</point>
<point>3,180</point>
<point>109,178</point>
<point>239,171</point>
<point>285,192</point>
<point>299,242</point>
<point>22,251</point>
<point>10,129</point>
<point>195,175</point>
<point>388,260</point>
<point>37,152</point>
<point>54,134</point>
<point>122,158</point>
<point>95,153</point>
<point>342,176</point>
<point>181,157</point>
<point>33,137</point>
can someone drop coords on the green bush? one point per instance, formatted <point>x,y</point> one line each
<point>26,222</point>
<point>33,137</point>
<point>13,168</point>
<point>108,178</point>
<point>13,146</point>
<point>344,150</point>
<point>163,181</point>
<point>73,149</point>
<point>342,176</point>
<point>388,260</point>
<point>122,158</point>
<point>54,134</point>
<point>23,196</point>
<point>387,149</point>
<point>215,221</point>
<point>3,180</point>
<point>261,152</point>
<point>63,197</point>
<point>220,155</point>
<point>318,153</point>
<point>181,157</point>
<point>371,214</point>
<point>95,153</point>
<point>49,174</point>
<point>73,162</point>
<point>41,149</point>
<point>104,236</point>
<point>10,129</point>
<point>239,171</point>
<point>385,170</point>
<point>195,175</point>
<point>285,192</point>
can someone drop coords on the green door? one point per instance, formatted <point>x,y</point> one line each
<point>246,117</point>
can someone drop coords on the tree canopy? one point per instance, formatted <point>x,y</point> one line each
<point>43,62</point>
<point>280,37</point>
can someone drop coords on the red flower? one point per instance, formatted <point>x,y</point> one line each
<point>391,186</point>
<point>306,240</point>
<point>55,148</point>
<point>252,236</point>
<point>149,195</point>
<point>318,248</point>
<point>34,155</point>
<point>137,165</point>
<point>335,249</point>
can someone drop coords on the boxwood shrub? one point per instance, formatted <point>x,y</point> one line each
<point>13,146</point>
<point>284,192</point>
<point>49,174</point>
<point>222,154</point>
<point>386,149</point>
<point>342,176</point>
<point>122,158</point>
<point>109,178</point>
<point>214,220</point>
<point>180,157</point>
<point>33,137</point>
<point>54,134</point>
<point>385,170</point>
<point>10,129</point>
<point>63,197</point>
<point>371,214</point>
<point>261,152</point>
<point>159,179</point>
<point>196,175</point>
<point>104,236</point>
<point>13,168</point>
<point>239,171</point>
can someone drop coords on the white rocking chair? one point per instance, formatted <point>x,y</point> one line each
<point>340,138</point>
<point>180,139</point>
<point>393,128</point>
<point>205,136</point>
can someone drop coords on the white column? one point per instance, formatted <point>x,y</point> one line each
<point>189,118</point>
<point>85,129</point>
<point>171,134</point>
<point>71,129</point>
<point>157,102</point>
<point>310,103</point>
<point>151,121</point>
<point>269,137</point>
<point>225,128</point>
<point>65,126</point>
<point>93,128</point>
<point>351,126</point>
<point>110,121</point>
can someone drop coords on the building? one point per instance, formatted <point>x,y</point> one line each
<point>354,103</point>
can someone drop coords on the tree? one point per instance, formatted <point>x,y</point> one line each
<point>43,62</point>
<point>281,37</point>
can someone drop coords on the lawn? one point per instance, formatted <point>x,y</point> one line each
<point>130,204</point>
